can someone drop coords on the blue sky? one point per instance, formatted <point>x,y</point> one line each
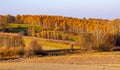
<point>73,8</point>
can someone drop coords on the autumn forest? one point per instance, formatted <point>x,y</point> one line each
<point>89,33</point>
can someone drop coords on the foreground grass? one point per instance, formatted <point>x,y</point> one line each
<point>51,66</point>
<point>89,58</point>
<point>90,61</point>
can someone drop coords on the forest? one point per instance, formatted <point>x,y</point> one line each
<point>89,33</point>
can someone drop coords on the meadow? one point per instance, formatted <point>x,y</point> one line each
<point>49,45</point>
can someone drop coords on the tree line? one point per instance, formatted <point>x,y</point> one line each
<point>56,23</point>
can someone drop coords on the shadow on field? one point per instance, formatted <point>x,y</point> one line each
<point>49,53</point>
<point>8,58</point>
<point>62,52</point>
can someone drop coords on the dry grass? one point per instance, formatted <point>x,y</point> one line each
<point>51,66</point>
<point>11,51</point>
<point>91,58</point>
<point>91,61</point>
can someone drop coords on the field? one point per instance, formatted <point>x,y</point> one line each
<point>86,61</point>
<point>16,25</point>
<point>16,28</point>
<point>91,61</point>
<point>48,45</point>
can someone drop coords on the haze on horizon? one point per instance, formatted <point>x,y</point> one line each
<point>108,9</point>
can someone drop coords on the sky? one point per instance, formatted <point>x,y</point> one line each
<point>107,9</point>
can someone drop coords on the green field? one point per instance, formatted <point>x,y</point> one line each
<point>15,25</point>
<point>21,27</point>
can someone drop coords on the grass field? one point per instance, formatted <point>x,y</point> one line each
<point>91,61</point>
<point>89,58</point>
<point>51,66</point>
<point>14,25</point>
<point>20,27</point>
<point>47,45</point>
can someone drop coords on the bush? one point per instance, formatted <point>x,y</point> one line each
<point>85,41</point>
<point>19,51</point>
<point>117,48</point>
<point>101,48</point>
<point>4,51</point>
<point>34,48</point>
<point>11,51</point>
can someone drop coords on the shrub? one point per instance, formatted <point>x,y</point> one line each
<point>11,44</point>
<point>19,51</point>
<point>117,48</point>
<point>4,51</point>
<point>11,51</point>
<point>34,48</point>
<point>85,41</point>
<point>101,48</point>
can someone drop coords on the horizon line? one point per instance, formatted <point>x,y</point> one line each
<point>64,16</point>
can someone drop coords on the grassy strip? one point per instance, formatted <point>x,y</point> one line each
<point>51,45</point>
